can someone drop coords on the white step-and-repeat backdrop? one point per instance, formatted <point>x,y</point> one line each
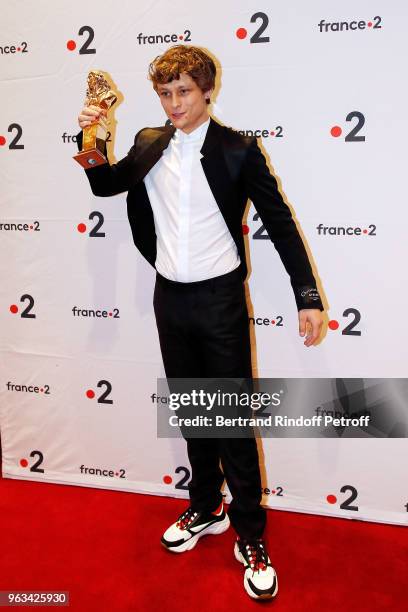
<point>323,85</point>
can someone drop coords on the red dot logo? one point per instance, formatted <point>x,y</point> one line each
<point>370,24</point>
<point>13,308</point>
<point>116,473</point>
<point>365,231</point>
<point>167,479</point>
<point>336,131</point>
<point>90,394</point>
<point>110,314</point>
<point>71,45</point>
<point>81,227</point>
<point>331,499</point>
<point>181,37</point>
<point>273,321</point>
<point>18,48</point>
<point>42,390</point>
<point>245,229</point>
<point>333,324</point>
<point>241,33</point>
<point>273,491</point>
<point>23,462</point>
<point>31,226</point>
<point>2,141</point>
<point>272,133</point>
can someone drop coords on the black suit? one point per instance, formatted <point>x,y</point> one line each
<point>235,170</point>
<point>203,326</point>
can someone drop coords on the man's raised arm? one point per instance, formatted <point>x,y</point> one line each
<point>106,179</point>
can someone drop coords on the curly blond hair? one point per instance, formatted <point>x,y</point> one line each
<point>183,58</point>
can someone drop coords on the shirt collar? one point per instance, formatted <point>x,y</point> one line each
<point>197,135</point>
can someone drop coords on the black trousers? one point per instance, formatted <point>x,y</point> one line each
<point>204,332</point>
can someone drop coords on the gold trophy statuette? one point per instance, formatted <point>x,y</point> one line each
<point>94,135</point>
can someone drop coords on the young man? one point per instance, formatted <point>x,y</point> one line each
<point>188,184</point>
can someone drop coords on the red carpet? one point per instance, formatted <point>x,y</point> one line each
<point>103,547</point>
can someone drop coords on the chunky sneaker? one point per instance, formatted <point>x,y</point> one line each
<point>190,526</point>
<point>260,579</point>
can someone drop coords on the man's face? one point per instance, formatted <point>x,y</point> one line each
<point>184,103</point>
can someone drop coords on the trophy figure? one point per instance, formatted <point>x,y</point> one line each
<point>94,135</point>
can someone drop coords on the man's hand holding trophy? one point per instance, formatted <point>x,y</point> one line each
<point>93,121</point>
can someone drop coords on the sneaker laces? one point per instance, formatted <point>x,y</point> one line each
<point>257,555</point>
<point>186,518</point>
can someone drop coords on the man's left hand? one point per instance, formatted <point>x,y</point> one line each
<point>310,323</point>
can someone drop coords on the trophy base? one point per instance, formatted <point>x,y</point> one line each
<point>90,158</point>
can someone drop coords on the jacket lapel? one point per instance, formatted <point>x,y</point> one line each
<point>214,165</point>
<point>150,155</point>
<point>213,161</point>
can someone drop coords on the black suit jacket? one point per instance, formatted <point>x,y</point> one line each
<point>236,171</point>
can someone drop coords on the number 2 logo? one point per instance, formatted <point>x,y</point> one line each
<point>262,20</point>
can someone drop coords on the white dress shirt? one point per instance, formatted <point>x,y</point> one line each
<point>193,240</point>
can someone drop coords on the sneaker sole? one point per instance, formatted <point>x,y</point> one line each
<point>215,529</point>
<point>241,559</point>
